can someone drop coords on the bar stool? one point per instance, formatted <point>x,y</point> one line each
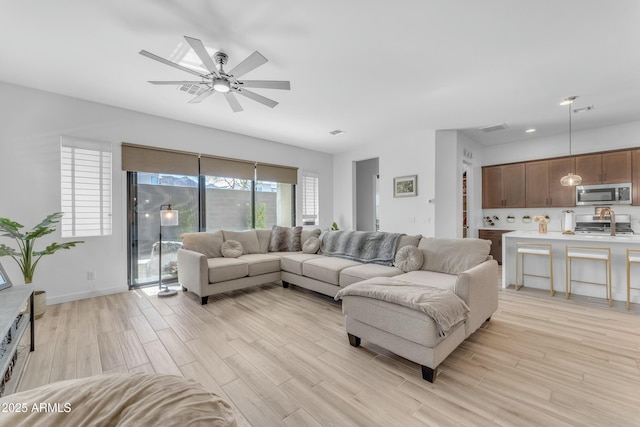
<point>633,257</point>
<point>588,253</point>
<point>539,249</point>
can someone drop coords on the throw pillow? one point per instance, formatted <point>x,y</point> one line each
<point>248,240</point>
<point>309,233</point>
<point>409,258</point>
<point>209,244</point>
<point>311,245</point>
<point>285,239</point>
<point>231,249</point>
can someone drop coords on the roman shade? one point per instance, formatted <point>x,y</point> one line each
<point>230,168</point>
<point>277,173</point>
<point>140,158</point>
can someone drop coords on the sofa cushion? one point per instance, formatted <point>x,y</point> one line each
<point>453,256</point>
<point>208,244</point>
<point>407,240</point>
<point>326,269</point>
<point>231,249</point>
<point>221,269</point>
<point>293,262</point>
<point>248,239</point>
<point>311,245</point>
<point>408,258</point>
<point>366,271</point>
<point>431,278</point>
<point>261,263</point>
<point>264,238</point>
<point>309,233</point>
<point>285,239</point>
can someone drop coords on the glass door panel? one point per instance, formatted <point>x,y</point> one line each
<point>149,191</point>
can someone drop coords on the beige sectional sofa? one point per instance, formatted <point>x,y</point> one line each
<point>462,266</point>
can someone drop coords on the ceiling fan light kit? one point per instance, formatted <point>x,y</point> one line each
<point>218,80</point>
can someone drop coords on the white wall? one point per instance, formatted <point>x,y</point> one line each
<point>402,155</point>
<point>626,135</point>
<point>453,149</point>
<point>32,124</point>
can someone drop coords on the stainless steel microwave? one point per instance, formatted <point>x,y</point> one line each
<point>603,194</point>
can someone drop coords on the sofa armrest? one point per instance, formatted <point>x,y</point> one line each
<point>193,271</point>
<point>478,287</point>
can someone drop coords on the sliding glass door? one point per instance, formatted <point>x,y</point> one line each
<point>147,193</point>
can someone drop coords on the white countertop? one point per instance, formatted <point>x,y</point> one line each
<point>556,235</point>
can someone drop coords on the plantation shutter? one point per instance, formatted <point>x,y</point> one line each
<point>86,192</point>
<point>310,209</point>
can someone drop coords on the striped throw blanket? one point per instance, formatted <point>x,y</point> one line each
<point>362,246</point>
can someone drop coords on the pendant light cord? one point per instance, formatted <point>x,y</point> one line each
<point>570,156</point>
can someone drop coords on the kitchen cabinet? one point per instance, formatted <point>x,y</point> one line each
<point>604,168</point>
<point>503,186</point>
<point>542,182</point>
<point>495,236</point>
<point>635,177</point>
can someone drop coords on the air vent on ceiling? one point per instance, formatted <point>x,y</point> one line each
<point>193,89</point>
<point>337,132</point>
<point>494,128</point>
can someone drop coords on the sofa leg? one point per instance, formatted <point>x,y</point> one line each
<point>429,374</point>
<point>285,284</point>
<point>204,300</point>
<point>488,319</point>
<point>184,289</point>
<point>354,340</point>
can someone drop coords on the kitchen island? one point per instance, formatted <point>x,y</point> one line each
<point>582,269</point>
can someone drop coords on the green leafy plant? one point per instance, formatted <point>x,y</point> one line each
<point>26,256</point>
<point>334,227</point>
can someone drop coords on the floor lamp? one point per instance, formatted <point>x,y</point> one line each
<point>168,217</point>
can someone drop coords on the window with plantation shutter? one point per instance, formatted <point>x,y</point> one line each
<point>85,169</point>
<point>310,200</point>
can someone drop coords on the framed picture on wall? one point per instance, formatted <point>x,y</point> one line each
<point>405,186</point>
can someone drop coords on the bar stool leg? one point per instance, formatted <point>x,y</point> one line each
<point>552,291</point>
<point>628,281</point>
<point>517,269</point>
<point>567,274</point>
<point>609,284</point>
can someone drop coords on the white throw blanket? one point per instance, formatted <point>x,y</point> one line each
<point>444,307</point>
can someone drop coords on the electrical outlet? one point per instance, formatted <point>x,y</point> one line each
<point>91,275</point>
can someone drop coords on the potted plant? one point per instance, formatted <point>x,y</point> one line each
<point>26,256</point>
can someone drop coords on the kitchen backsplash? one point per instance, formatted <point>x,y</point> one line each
<point>500,219</point>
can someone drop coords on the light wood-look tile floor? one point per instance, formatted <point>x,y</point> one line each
<point>281,357</point>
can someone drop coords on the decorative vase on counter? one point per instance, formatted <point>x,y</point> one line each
<point>542,227</point>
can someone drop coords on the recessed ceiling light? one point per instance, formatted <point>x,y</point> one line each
<point>530,130</point>
<point>337,132</point>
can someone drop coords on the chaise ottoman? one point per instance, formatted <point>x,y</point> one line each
<point>421,323</point>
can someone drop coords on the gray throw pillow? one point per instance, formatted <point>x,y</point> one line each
<point>231,249</point>
<point>208,244</point>
<point>408,258</point>
<point>285,239</point>
<point>311,245</point>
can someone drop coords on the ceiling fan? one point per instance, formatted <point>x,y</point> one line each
<point>219,80</point>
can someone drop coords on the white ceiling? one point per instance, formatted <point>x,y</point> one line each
<point>379,70</point>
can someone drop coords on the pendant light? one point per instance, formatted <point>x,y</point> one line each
<point>570,179</point>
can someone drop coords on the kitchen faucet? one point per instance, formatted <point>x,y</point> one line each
<point>612,217</point>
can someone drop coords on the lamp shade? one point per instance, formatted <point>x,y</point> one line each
<point>570,180</point>
<point>168,217</point>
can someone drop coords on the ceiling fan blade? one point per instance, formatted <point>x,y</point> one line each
<point>267,84</point>
<point>202,53</point>
<point>201,97</point>
<point>258,98</point>
<point>175,82</point>
<point>233,102</point>
<point>169,63</point>
<point>251,62</point>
